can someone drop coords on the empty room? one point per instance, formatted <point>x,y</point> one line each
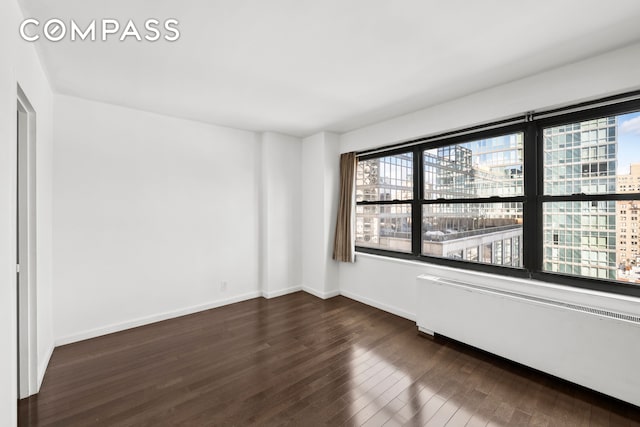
<point>319,213</point>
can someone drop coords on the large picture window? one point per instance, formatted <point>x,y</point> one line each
<point>554,198</point>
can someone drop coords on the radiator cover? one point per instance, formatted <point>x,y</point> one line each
<point>595,346</point>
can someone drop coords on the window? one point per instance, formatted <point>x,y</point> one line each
<point>464,184</point>
<point>384,191</point>
<point>589,208</point>
<point>544,198</point>
<point>472,253</point>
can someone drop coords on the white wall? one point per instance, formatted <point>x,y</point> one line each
<point>386,283</point>
<point>607,74</point>
<point>331,201</point>
<point>151,214</point>
<point>320,183</point>
<point>312,212</point>
<point>8,374</point>
<point>281,192</point>
<point>21,65</point>
<point>391,283</point>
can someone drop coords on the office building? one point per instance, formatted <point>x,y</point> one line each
<point>627,225</point>
<point>580,237</point>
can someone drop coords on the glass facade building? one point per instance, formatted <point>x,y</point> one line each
<point>579,238</point>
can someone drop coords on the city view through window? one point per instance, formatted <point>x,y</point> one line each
<point>592,238</point>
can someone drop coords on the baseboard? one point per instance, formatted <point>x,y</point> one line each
<point>323,295</point>
<point>281,292</point>
<point>141,321</point>
<point>42,367</point>
<point>385,307</point>
<point>117,327</point>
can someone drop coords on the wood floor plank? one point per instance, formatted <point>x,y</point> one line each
<point>298,360</point>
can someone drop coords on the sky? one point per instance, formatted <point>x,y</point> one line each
<point>628,141</point>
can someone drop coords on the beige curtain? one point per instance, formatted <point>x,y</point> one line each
<point>343,242</point>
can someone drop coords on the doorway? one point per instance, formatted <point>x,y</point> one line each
<point>26,290</point>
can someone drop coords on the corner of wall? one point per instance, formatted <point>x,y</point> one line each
<point>331,198</point>
<point>320,163</point>
<point>44,364</point>
<point>281,194</point>
<point>321,294</point>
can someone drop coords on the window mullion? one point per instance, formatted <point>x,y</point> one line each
<point>532,210</point>
<point>416,205</point>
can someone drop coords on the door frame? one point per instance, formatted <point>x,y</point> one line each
<point>26,260</point>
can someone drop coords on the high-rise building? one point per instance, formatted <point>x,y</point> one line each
<point>579,237</point>
<point>627,230</point>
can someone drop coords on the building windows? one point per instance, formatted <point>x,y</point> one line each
<point>451,227</point>
<point>592,222</point>
<point>548,198</point>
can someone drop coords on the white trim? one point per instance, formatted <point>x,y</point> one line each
<point>426,331</point>
<point>141,321</point>
<point>116,327</point>
<point>307,289</point>
<point>389,259</point>
<point>281,292</point>
<point>319,294</point>
<point>27,236</point>
<point>42,369</point>
<point>382,306</point>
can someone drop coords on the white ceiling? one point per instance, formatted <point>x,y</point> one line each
<point>302,66</point>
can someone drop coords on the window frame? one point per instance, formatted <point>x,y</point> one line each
<point>533,197</point>
<point>409,202</point>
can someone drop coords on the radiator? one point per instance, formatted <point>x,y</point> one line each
<point>593,346</point>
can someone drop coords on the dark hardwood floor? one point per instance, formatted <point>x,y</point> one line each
<point>298,360</point>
